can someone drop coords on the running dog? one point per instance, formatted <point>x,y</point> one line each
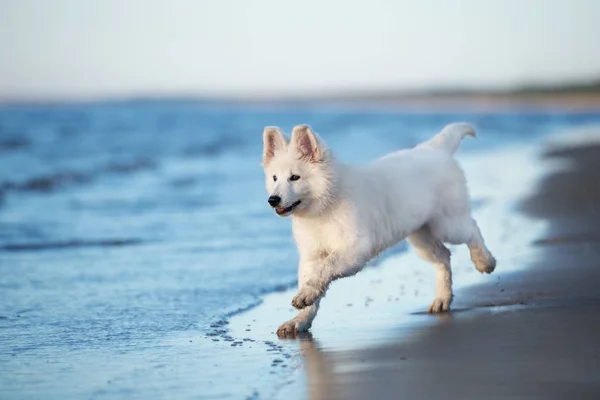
<point>345,215</point>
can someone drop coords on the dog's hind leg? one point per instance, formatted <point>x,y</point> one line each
<point>480,255</point>
<point>463,229</point>
<point>433,250</point>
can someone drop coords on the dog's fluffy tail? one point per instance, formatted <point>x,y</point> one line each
<point>450,137</point>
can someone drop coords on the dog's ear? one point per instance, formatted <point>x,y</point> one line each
<point>273,141</point>
<point>306,143</point>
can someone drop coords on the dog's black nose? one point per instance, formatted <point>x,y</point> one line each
<point>274,201</point>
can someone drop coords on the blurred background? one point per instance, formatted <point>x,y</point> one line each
<point>132,202</point>
<point>69,50</point>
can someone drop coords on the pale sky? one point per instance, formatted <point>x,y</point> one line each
<point>91,48</point>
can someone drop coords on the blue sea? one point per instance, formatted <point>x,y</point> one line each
<point>128,229</point>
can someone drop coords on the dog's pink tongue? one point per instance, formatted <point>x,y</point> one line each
<point>280,209</point>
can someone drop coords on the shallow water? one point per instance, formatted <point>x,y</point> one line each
<point>130,233</point>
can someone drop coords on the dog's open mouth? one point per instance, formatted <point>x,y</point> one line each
<point>287,210</point>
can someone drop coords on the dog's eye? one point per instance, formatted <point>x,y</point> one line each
<point>275,178</point>
<point>294,178</point>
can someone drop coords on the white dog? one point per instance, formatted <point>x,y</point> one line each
<point>343,216</point>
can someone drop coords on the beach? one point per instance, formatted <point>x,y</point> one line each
<point>139,259</point>
<point>165,206</point>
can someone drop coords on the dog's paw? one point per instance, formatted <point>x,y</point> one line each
<point>305,297</point>
<point>440,305</point>
<point>292,328</point>
<point>484,261</point>
<point>287,330</point>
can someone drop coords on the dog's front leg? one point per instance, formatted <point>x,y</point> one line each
<point>312,282</point>
<point>300,323</point>
<point>303,321</point>
<point>316,277</point>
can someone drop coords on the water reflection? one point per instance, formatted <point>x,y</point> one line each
<point>319,367</point>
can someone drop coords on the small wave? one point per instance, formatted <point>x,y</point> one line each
<point>13,143</point>
<point>131,166</point>
<point>241,310</point>
<point>67,244</point>
<point>51,182</point>
<point>47,183</point>
<point>216,147</point>
<point>279,288</point>
<point>183,182</point>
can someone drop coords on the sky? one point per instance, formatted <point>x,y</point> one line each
<point>108,48</point>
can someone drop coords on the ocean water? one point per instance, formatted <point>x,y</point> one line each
<point>130,229</point>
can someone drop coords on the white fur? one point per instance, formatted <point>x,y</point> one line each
<point>349,214</point>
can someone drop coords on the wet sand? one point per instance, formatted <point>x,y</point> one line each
<point>529,334</point>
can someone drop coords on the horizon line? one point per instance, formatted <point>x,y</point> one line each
<point>572,87</point>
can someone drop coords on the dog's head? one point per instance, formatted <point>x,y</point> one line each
<point>298,172</point>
